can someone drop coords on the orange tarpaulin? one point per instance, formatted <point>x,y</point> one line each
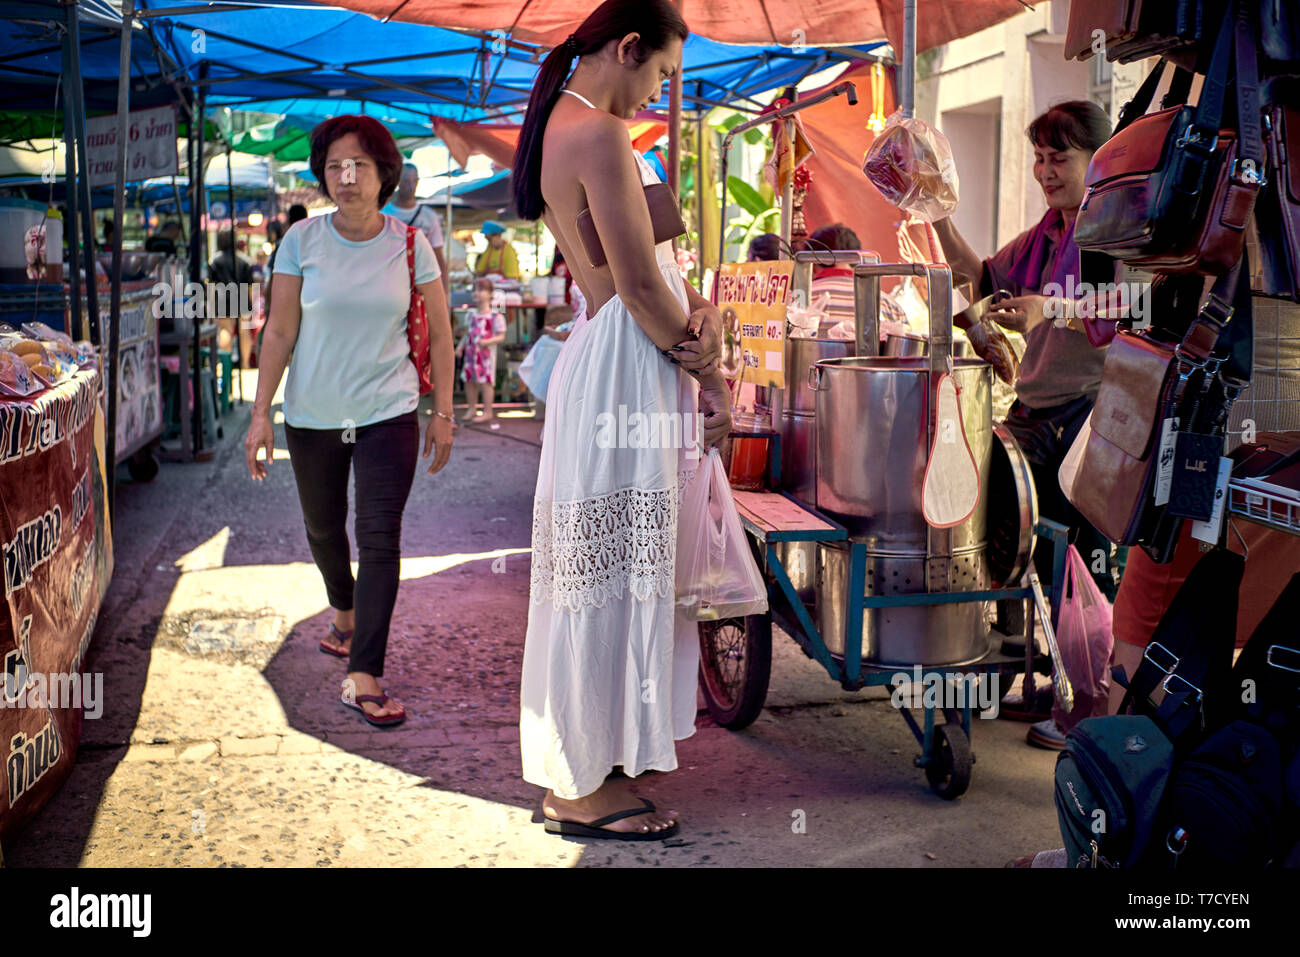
<point>497,143</point>
<point>782,22</point>
<point>840,192</point>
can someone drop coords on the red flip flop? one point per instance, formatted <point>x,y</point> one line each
<point>340,637</point>
<point>379,699</point>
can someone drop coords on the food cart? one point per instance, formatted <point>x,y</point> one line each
<point>854,572</point>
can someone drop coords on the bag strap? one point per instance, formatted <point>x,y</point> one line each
<point>410,257</point>
<point>1202,134</point>
<point>1271,658</point>
<point>1142,98</point>
<point>1193,641</point>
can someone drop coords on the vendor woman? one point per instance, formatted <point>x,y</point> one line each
<point>499,258</point>
<point>1060,371</point>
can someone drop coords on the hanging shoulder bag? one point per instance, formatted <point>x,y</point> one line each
<point>1172,191</point>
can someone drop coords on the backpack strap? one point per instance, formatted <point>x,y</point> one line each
<point>1190,653</point>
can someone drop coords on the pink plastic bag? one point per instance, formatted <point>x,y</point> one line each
<point>1085,637</point>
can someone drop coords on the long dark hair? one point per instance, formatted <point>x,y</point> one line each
<point>657,21</point>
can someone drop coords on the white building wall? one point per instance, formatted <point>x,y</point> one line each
<point>983,91</point>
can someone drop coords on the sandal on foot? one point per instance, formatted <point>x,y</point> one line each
<point>597,829</point>
<point>386,721</point>
<point>340,637</point>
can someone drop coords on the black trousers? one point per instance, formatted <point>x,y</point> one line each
<point>383,457</point>
<point>1045,435</point>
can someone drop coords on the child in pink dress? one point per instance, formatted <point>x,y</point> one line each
<point>486,329</point>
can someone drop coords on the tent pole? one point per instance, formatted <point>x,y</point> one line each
<point>198,243</point>
<point>236,348</point>
<point>77,92</point>
<point>699,199</point>
<point>449,239</point>
<point>907,68</point>
<point>119,215</point>
<point>75,249</point>
<point>675,131</point>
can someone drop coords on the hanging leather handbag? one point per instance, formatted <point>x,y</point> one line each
<point>1127,30</point>
<point>1115,20</point>
<point>1172,191</point>
<point>1277,213</point>
<point>1150,385</point>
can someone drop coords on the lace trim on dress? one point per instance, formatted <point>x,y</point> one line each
<point>589,552</point>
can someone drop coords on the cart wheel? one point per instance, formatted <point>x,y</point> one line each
<point>735,663</point>
<point>950,760</point>
<point>143,466</point>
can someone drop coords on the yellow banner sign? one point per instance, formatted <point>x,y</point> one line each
<point>753,298</point>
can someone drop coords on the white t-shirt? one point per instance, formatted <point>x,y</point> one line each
<point>422,218</point>
<point>351,364</point>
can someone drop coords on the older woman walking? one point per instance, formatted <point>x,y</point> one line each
<point>342,297</point>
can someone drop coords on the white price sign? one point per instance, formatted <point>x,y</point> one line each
<point>150,145</point>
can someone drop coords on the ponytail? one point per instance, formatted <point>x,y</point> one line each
<point>655,20</point>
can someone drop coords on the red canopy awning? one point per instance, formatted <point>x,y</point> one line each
<point>782,22</point>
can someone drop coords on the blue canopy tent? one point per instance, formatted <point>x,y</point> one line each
<point>277,57</point>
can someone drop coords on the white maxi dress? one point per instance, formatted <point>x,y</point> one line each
<point>609,672</point>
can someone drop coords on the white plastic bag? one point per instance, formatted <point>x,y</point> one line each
<point>717,576</point>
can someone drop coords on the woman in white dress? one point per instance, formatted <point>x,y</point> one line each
<point>609,669</point>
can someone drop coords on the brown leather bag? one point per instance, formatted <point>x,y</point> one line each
<point>1142,383</point>
<point>1172,191</point>
<point>1116,19</point>
<point>665,219</point>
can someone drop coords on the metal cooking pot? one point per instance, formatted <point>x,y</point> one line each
<point>909,344</point>
<point>799,455</point>
<point>873,421</point>
<point>902,635</point>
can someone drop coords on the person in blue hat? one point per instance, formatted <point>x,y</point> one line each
<point>500,256</point>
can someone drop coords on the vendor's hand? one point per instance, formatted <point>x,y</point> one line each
<point>715,403</point>
<point>1020,313</point>
<point>261,435</point>
<point>437,434</point>
<point>701,355</point>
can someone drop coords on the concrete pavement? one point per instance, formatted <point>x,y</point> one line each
<point>223,742</point>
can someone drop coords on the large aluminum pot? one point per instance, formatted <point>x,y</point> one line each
<point>799,455</point>
<point>873,416</point>
<point>800,355</point>
<point>905,635</point>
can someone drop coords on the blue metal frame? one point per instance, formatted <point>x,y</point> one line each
<point>850,674</point>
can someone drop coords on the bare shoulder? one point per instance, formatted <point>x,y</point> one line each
<point>597,139</point>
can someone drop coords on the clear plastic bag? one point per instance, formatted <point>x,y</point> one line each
<point>717,576</point>
<point>1084,635</point>
<point>911,163</point>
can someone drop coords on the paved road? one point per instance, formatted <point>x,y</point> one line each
<point>223,743</point>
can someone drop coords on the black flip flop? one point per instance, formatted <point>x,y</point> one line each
<point>598,830</point>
